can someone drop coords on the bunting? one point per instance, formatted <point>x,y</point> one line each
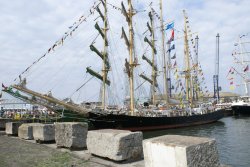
<point>246,69</point>
<point>172,37</point>
<point>171,48</point>
<point>70,32</point>
<point>170,26</point>
<point>232,87</point>
<point>4,87</point>
<point>174,56</point>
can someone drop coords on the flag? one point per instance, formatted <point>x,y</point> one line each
<point>4,87</point>
<point>171,48</point>
<point>175,63</point>
<point>231,83</point>
<point>176,70</point>
<point>231,71</point>
<point>170,26</point>
<point>172,37</point>
<point>246,69</point>
<point>230,78</point>
<point>174,56</point>
<point>231,87</point>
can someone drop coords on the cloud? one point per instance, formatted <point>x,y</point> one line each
<point>29,28</point>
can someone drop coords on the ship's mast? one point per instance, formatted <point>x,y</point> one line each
<point>131,58</point>
<point>164,57</point>
<point>197,91</point>
<point>245,79</point>
<point>153,58</point>
<point>151,62</point>
<point>105,54</point>
<point>51,99</point>
<point>187,63</point>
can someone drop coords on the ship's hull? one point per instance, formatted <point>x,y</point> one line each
<point>241,110</point>
<point>134,123</point>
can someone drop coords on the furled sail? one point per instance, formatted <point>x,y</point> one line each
<point>149,62</point>
<point>147,79</point>
<point>98,28</point>
<point>91,72</point>
<point>150,44</point>
<point>94,49</point>
<point>124,36</point>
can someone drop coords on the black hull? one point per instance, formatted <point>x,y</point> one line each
<point>241,110</point>
<point>134,123</point>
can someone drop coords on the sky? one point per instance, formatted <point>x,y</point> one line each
<point>29,28</point>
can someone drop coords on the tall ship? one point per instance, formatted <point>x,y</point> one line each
<point>159,111</point>
<point>241,57</point>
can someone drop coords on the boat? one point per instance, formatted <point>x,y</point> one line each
<point>151,115</point>
<point>242,105</point>
<point>153,118</point>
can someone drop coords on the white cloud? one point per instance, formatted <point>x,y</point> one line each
<point>29,28</point>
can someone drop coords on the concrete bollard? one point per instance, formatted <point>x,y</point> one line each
<point>71,135</point>
<point>116,145</point>
<point>12,128</point>
<point>180,151</point>
<point>3,122</point>
<point>25,131</point>
<point>44,132</point>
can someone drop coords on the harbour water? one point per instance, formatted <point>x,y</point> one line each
<point>231,133</point>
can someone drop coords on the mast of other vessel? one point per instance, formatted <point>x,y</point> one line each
<point>153,58</point>
<point>131,58</point>
<point>164,58</point>
<point>189,96</point>
<point>245,79</point>
<point>104,68</point>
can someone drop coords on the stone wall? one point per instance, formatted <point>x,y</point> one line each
<point>116,145</point>
<point>71,134</point>
<point>44,132</point>
<point>25,131</point>
<point>180,151</point>
<point>12,128</point>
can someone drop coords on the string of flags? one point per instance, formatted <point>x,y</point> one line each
<point>230,77</point>
<point>114,7</point>
<point>170,26</point>
<point>196,65</point>
<point>67,34</point>
<point>156,14</point>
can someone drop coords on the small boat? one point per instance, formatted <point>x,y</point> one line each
<point>242,106</point>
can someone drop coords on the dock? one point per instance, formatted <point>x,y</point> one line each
<point>114,148</point>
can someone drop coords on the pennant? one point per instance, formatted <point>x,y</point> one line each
<point>171,48</point>
<point>170,26</point>
<point>172,37</point>
<point>231,87</point>
<point>175,63</point>
<point>176,70</point>
<point>174,56</point>
<point>246,69</point>
<point>231,83</point>
<point>230,78</point>
<point>4,87</point>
